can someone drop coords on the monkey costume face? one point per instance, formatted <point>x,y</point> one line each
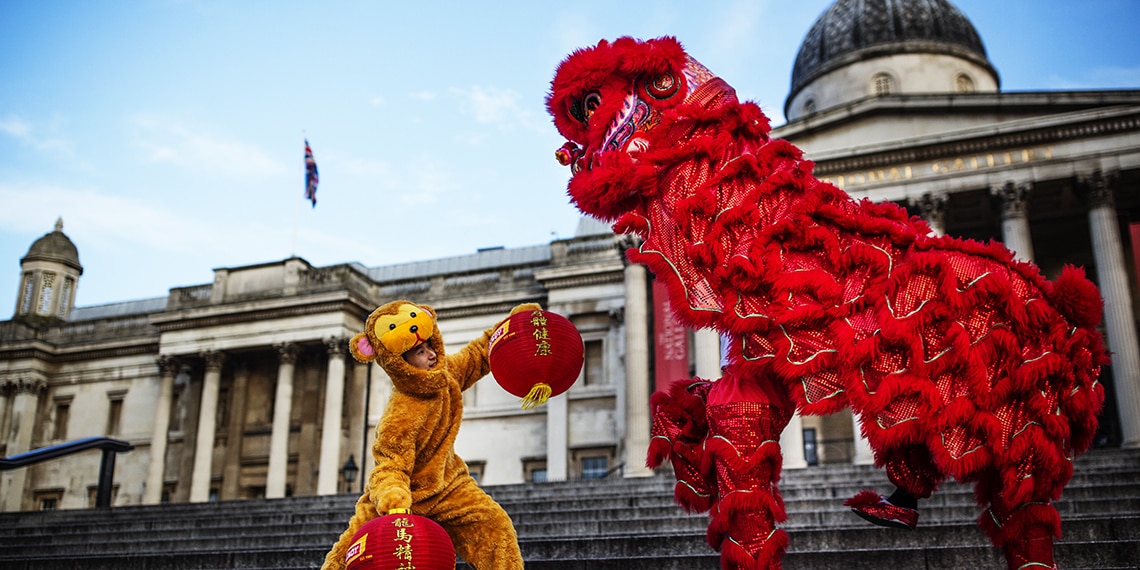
<point>390,331</point>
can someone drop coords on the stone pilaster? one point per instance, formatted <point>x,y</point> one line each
<point>1119,319</point>
<point>26,389</point>
<point>278,470</point>
<point>1015,218</point>
<point>207,427</point>
<point>328,474</point>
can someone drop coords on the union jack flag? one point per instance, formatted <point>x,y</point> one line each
<point>311,178</point>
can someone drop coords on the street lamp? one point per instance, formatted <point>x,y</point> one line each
<point>349,471</point>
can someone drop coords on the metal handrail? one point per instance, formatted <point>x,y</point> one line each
<point>109,446</point>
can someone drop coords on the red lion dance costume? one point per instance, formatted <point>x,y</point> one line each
<point>959,360</point>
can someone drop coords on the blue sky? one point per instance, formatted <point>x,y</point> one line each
<point>168,134</point>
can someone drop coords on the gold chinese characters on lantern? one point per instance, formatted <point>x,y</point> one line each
<point>536,355</point>
<point>400,541</point>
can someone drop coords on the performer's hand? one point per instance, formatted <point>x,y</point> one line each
<point>391,498</point>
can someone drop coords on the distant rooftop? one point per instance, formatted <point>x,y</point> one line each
<point>142,306</point>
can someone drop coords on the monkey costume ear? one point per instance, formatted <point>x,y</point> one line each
<point>361,348</point>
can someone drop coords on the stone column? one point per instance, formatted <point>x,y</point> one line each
<point>932,208</point>
<point>1119,320</point>
<point>792,443</point>
<point>863,453</point>
<point>207,426</point>
<point>21,424</point>
<point>1015,219</point>
<point>706,346</point>
<point>278,470</point>
<point>636,372</point>
<point>328,475</point>
<point>156,468</point>
<point>558,438</point>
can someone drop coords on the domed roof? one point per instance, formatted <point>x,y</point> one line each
<point>853,30</point>
<point>54,246</point>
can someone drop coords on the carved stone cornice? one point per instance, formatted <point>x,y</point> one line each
<point>214,319</point>
<point>1014,199</point>
<point>1030,137</point>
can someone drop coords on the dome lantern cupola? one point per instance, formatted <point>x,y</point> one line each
<point>861,48</point>
<point>49,274</point>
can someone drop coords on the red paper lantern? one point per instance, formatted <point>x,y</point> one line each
<point>400,540</point>
<point>536,355</point>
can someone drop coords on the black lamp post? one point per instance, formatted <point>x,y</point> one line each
<point>349,470</point>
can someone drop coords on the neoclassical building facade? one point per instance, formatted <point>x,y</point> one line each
<point>244,388</point>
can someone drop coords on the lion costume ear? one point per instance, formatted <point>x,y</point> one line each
<point>361,348</point>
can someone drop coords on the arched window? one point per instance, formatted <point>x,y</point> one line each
<point>963,83</point>
<point>46,289</point>
<point>882,84</point>
<point>26,293</point>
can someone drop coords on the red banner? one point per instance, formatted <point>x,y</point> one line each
<point>671,342</point>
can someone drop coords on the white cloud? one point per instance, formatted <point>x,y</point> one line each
<point>195,149</point>
<point>31,136</point>
<point>124,225</point>
<point>500,107</point>
<point>423,95</point>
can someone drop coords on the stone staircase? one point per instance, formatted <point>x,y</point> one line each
<point>609,524</point>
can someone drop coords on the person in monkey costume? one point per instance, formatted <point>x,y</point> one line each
<point>417,469</point>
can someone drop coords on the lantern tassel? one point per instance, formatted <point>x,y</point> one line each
<point>537,396</point>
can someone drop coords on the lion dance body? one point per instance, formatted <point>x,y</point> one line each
<point>959,360</point>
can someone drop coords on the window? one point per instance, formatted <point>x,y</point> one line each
<point>49,499</point>
<point>26,295</point>
<point>882,84</point>
<point>114,412</point>
<point>45,293</point>
<point>534,470</point>
<point>65,296</point>
<point>593,367</point>
<point>93,495</point>
<point>62,417</point>
<point>475,468</point>
<point>811,448</point>
<point>595,467</point>
<point>963,83</point>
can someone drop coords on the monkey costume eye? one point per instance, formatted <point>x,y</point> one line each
<point>392,327</point>
<point>663,86</point>
<point>413,315</point>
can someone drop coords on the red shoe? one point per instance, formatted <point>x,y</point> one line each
<point>876,509</point>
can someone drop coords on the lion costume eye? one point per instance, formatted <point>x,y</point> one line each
<point>662,86</point>
<point>583,109</point>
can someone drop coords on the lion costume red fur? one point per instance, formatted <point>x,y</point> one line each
<point>959,360</point>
